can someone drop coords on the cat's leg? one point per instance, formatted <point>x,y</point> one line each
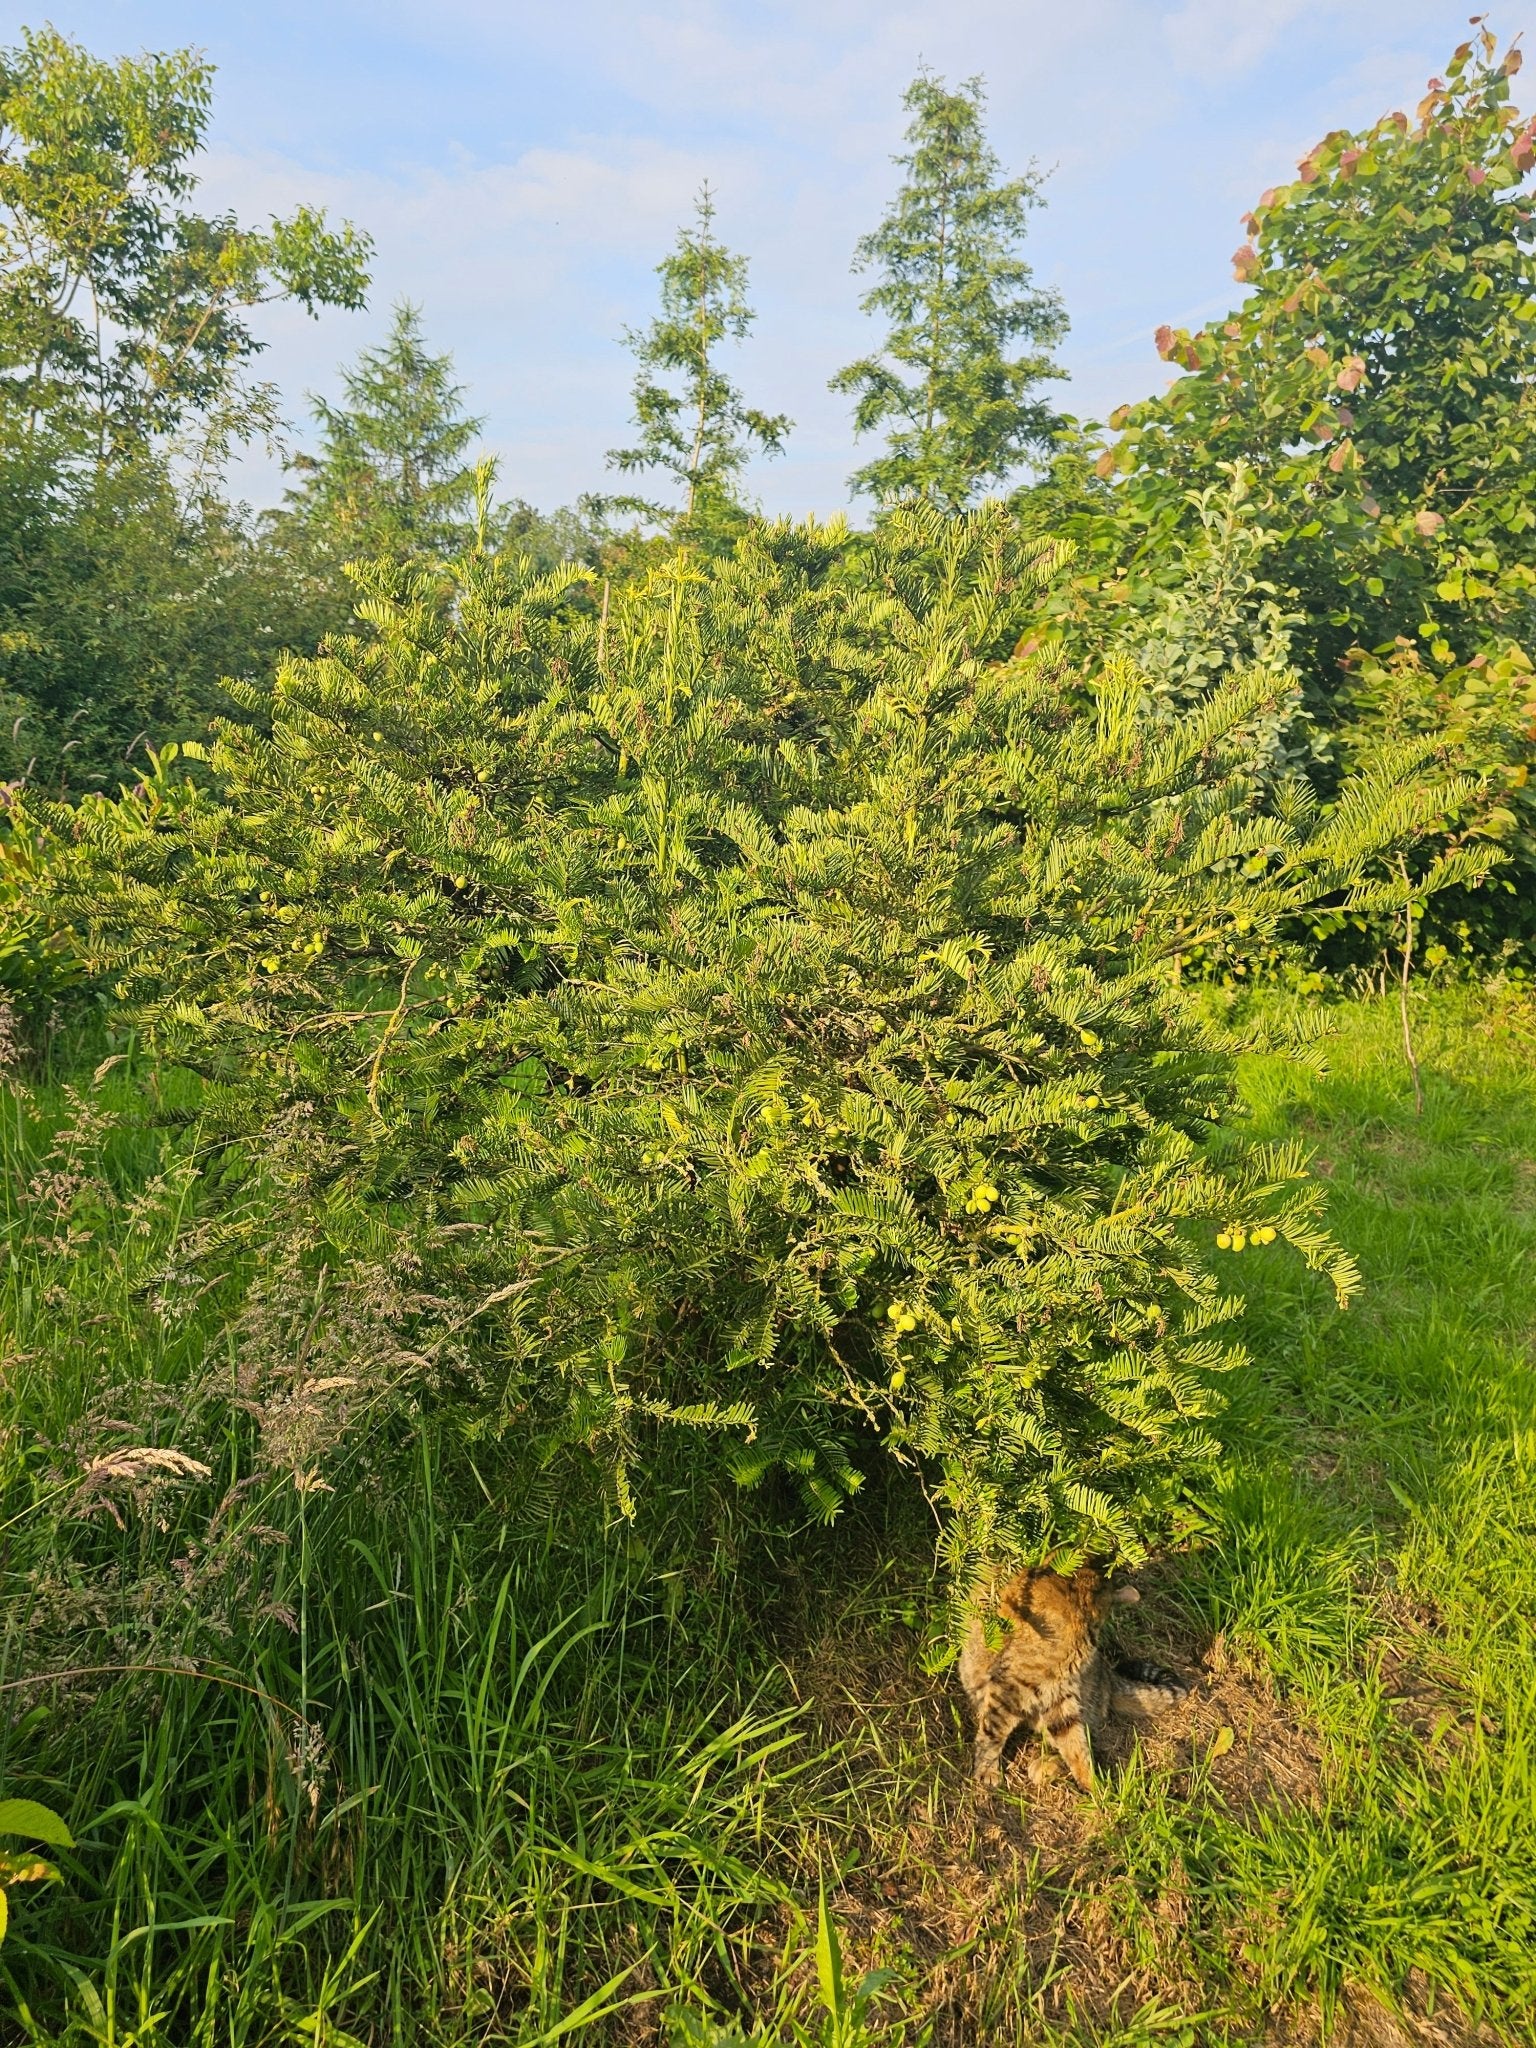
<point>996,1719</point>
<point>1067,1735</point>
<point>1142,1690</point>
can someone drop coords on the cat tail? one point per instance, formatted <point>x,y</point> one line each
<point>1143,1688</point>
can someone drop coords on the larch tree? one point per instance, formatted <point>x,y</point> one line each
<point>695,428</point>
<point>954,386</point>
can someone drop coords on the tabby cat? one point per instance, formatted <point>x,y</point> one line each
<point>1051,1675</point>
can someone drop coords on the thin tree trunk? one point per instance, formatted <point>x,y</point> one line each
<point>937,323</point>
<point>698,450</point>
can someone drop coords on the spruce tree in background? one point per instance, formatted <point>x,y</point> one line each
<point>391,477</point>
<point>958,406</point>
<point>699,436</point>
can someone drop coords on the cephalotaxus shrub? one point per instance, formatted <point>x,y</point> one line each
<point>756,998</point>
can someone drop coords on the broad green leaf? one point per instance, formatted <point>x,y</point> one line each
<point>39,1823</point>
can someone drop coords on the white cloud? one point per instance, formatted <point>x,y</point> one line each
<point>1223,38</point>
<point>524,168</point>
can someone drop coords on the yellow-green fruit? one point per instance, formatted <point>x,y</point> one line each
<point>1238,1240</point>
<point>898,1379</point>
<point>1223,1240</point>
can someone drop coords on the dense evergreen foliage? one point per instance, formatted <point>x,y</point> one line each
<point>600,1125</point>
<point>754,1007</point>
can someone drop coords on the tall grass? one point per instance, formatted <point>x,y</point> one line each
<point>430,1757</point>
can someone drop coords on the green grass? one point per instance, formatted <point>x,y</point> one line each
<point>449,1763</point>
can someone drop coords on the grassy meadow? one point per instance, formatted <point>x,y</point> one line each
<point>431,1758</point>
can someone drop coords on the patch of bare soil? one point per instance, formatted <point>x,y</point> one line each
<point>1008,1916</point>
<point>1019,1909</point>
<point>1420,1683</point>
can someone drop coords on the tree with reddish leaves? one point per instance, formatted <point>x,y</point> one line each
<point>1375,391</point>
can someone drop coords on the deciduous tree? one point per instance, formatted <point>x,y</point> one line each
<point>123,313</point>
<point>1374,387</point>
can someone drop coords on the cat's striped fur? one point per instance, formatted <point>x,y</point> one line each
<point>1051,1675</point>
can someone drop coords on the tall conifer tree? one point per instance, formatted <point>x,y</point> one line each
<point>392,477</point>
<point>959,407</point>
<point>695,427</point>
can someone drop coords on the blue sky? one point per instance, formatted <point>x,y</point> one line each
<point>523,168</point>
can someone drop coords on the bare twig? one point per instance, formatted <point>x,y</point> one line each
<point>1402,992</point>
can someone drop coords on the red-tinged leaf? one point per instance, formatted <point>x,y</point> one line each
<point>1105,466</point>
<point>1164,342</point>
<point>1245,261</point>
<point>1233,330</point>
<point>1307,170</point>
<point>1324,430</point>
<point>1339,457</point>
<point>1523,153</point>
<point>1345,417</point>
<point>1317,357</point>
<point>1370,508</point>
<point>1476,175</point>
<point>1119,416</point>
<point>1428,523</point>
<point>1512,63</point>
<point>1350,373</point>
<point>1250,224</point>
<point>1348,161</point>
<point>1399,122</point>
<point>1266,200</point>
